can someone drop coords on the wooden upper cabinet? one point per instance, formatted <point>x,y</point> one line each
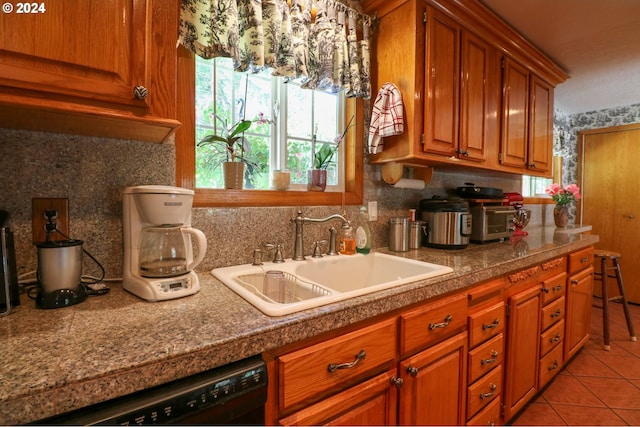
<point>81,48</point>
<point>515,113</point>
<point>81,64</point>
<point>540,126</point>
<point>527,120</point>
<point>479,100</point>
<point>442,88</point>
<point>445,58</point>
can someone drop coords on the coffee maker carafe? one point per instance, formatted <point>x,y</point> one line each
<point>158,253</point>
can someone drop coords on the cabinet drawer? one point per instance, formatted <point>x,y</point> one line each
<point>550,365</point>
<point>552,313</point>
<point>485,324</point>
<point>310,373</point>
<point>551,337</point>
<point>489,416</point>
<point>580,260</point>
<point>554,287</point>
<point>432,322</point>
<point>485,357</point>
<point>484,391</point>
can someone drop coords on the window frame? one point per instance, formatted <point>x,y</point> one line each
<point>186,155</point>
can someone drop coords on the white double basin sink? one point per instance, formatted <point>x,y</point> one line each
<point>315,282</point>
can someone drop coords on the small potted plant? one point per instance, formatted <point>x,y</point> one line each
<point>232,150</point>
<point>317,177</point>
<point>563,197</point>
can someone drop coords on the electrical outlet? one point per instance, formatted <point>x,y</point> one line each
<point>39,220</point>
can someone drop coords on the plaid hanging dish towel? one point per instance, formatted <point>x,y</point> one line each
<point>387,117</point>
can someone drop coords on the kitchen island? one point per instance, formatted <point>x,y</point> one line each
<point>54,361</point>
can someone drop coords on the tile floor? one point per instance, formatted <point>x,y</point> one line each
<point>596,387</point>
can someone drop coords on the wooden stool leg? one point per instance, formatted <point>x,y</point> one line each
<point>625,306</point>
<point>605,302</point>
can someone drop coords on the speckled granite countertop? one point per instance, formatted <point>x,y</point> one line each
<point>53,361</point>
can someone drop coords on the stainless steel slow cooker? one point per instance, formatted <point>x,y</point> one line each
<point>447,223</point>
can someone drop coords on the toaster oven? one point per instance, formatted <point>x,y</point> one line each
<point>491,223</point>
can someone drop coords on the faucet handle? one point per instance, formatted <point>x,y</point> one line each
<point>277,257</point>
<point>316,249</point>
<point>332,241</point>
<point>257,257</point>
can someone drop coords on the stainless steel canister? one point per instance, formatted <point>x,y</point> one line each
<point>415,234</point>
<point>399,234</point>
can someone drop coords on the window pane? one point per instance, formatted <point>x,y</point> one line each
<point>225,97</point>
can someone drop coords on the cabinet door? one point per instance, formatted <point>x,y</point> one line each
<point>515,113</point>
<point>94,50</point>
<point>578,314</point>
<point>434,389</point>
<point>372,402</point>
<point>523,336</point>
<point>478,99</point>
<point>540,126</point>
<point>442,69</point>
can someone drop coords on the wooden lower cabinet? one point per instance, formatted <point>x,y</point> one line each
<point>474,357</point>
<point>578,312</point>
<point>523,336</point>
<point>434,384</point>
<point>372,402</point>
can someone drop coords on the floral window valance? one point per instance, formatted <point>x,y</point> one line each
<point>323,43</point>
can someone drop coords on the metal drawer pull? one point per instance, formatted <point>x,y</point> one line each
<point>335,366</point>
<point>585,259</point>
<point>574,282</point>
<point>554,366</point>
<point>492,387</point>
<point>556,314</point>
<point>494,357</point>
<point>495,324</point>
<point>557,288</point>
<point>448,318</point>
<point>556,338</point>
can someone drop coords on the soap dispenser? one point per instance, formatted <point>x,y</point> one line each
<point>363,232</point>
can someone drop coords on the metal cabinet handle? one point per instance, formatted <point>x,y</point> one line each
<point>585,259</point>
<point>556,314</point>
<point>140,92</point>
<point>494,357</point>
<point>545,290</point>
<point>553,366</point>
<point>492,387</point>
<point>574,282</point>
<point>398,382</point>
<point>335,366</point>
<point>448,318</point>
<point>555,339</point>
<point>413,371</point>
<point>495,324</point>
<point>557,288</point>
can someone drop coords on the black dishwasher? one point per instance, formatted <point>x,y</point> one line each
<point>233,394</point>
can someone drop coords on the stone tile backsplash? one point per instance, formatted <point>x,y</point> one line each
<point>92,172</point>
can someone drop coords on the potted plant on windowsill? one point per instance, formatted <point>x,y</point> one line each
<point>231,149</point>
<point>317,177</point>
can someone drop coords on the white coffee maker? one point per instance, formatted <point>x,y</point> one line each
<point>158,251</point>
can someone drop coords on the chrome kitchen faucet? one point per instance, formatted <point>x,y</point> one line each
<point>300,221</point>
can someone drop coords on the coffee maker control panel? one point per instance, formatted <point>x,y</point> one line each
<point>175,285</point>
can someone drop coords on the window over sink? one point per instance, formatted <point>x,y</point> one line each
<point>349,190</point>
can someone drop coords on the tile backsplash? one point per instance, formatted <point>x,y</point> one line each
<point>91,173</point>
